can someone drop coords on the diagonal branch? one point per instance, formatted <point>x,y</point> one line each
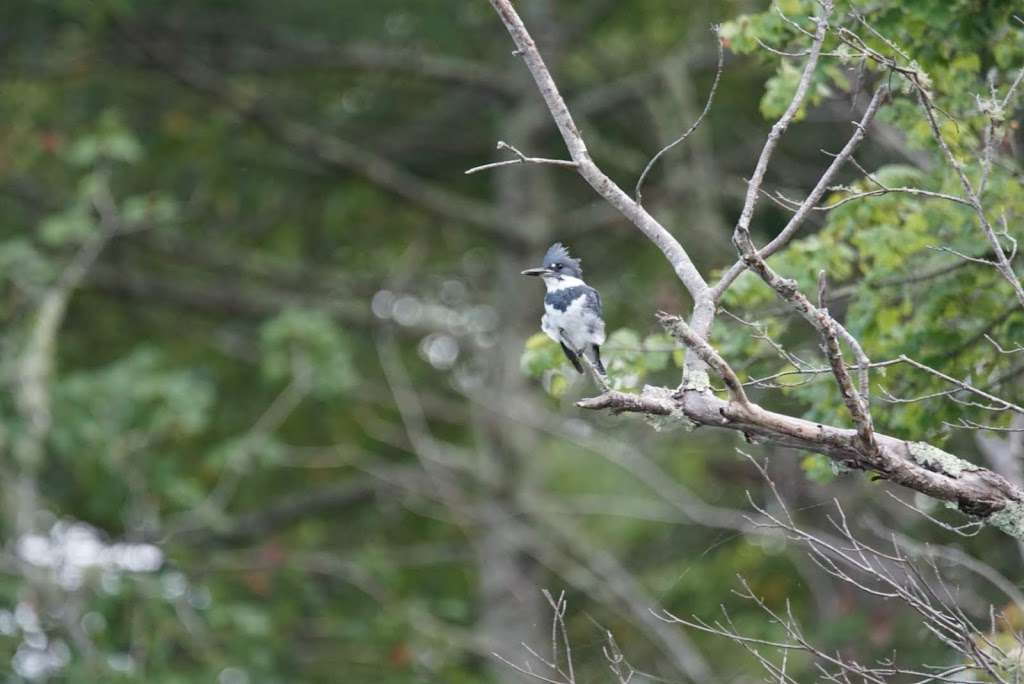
<point>1002,263</point>
<point>810,202</point>
<point>856,403</point>
<point>683,266</point>
<point>780,126</point>
<point>917,79</point>
<point>678,328</point>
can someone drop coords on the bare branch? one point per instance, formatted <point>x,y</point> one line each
<point>967,387</point>
<point>809,203</point>
<point>856,402</point>
<point>520,159</point>
<point>624,402</point>
<point>693,127</point>
<point>916,192</point>
<point>780,126</point>
<point>915,465</point>
<point>679,329</point>
<point>812,371</point>
<point>683,266</point>
<point>1014,350</point>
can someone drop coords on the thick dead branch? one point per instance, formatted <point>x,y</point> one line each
<point>915,465</point>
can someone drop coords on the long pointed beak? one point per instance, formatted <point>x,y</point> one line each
<point>536,271</point>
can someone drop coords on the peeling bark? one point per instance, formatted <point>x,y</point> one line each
<point>921,467</point>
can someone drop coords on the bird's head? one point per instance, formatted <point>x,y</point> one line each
<point>557,264</point>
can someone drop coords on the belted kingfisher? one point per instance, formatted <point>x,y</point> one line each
<point>572,309</point>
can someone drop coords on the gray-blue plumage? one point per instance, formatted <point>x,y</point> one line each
<point>572,309</point>
<point>561,299</point>
<point>557,259</point>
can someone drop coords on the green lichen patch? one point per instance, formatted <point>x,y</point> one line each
<point>939,461</point>
<point>697,380</point>
<point>1010,520</point>
<point>676,419</point>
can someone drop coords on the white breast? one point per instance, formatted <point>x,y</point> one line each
<point>561,282</point>
<point>576,327</point>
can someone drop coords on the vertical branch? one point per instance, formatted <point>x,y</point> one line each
<point>35,367</point>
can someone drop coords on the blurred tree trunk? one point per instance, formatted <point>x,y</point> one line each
<point>510,579</point>
<point>511,603</point>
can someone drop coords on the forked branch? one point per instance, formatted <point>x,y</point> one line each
<point>918,466</point>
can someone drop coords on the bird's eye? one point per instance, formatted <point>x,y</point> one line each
<point>558,267</point>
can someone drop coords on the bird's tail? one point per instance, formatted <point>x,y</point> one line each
<point>595,358</point>
<point>573,359</point>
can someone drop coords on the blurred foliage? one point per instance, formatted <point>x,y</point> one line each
<point>628,359</point>
<point>272,327</point>
<point>296,342</point>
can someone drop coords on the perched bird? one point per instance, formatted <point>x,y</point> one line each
<point>572,309</point>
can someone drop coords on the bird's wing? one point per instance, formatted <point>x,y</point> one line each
<point>594,300</point>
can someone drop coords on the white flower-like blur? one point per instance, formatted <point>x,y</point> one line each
<point>73,549</point>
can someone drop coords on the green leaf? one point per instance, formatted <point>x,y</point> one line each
<point>779,92</point>
<point>540,355</point>
<point>24,265</point>
<point>818,468</point>
<point>73,225</point>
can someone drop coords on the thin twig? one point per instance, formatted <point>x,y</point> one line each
<point>693,127</point>
<point>520,159</point>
